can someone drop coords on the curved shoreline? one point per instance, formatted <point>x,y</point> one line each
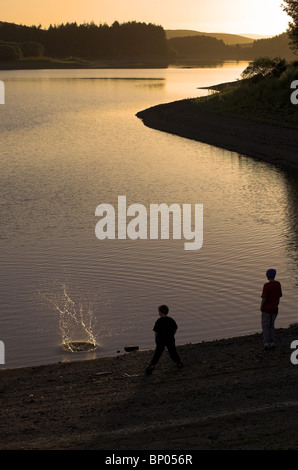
<point>261,141</point>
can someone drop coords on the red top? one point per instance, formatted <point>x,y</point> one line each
<point>272,293</point>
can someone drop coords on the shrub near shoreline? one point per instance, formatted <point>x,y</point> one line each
<point>263,97</point>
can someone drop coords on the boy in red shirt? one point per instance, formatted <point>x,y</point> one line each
<point>269,307</point>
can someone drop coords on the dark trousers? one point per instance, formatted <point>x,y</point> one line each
<point>160,347</point>
<point>268,321</point>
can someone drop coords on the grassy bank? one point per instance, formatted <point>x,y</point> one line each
<point>267,100</point>
<point>254,118</point>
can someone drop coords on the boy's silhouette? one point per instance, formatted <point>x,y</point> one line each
<point>165,328</point>
<point>271,295</point>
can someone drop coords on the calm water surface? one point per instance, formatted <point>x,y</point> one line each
<point>69,142</point>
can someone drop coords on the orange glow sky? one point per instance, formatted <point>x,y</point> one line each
<point>229,16</point>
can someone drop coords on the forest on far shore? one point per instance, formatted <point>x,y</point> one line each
<point>86,41</point>
<point>89,41</point>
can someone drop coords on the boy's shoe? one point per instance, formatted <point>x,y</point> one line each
<point>149,370</point>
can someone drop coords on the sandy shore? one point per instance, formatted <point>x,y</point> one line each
<point>264,142</point>
<point>231,394</point>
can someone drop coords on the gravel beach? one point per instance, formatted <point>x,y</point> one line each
<point>231,394</point>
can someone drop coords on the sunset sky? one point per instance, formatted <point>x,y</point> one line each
<point>229,16</point>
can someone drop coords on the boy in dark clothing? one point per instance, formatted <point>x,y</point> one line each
<point>165,328</point>
<point>271,295</point>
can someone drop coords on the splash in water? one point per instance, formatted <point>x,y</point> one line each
<point>76,326</point>
<point>76,323</point>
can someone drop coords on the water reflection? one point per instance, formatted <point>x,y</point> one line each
<point>202,64</point>
<point>69,145</point>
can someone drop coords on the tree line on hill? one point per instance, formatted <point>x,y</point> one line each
<point>88,40</point>
<point>127,40</point>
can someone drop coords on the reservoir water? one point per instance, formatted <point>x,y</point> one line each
<point>70,140</point>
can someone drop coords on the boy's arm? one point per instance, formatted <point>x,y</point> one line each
<point>264,296</point>
<point>262,303</point>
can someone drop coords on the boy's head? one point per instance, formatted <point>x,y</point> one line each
<point>271,273</point>
<point>163,309</point>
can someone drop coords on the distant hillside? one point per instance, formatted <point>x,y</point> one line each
<point>199,47</point>
<point>257,36</point>
<point>208,47</point>
<point>274,47</point>
<point>228,39</point>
